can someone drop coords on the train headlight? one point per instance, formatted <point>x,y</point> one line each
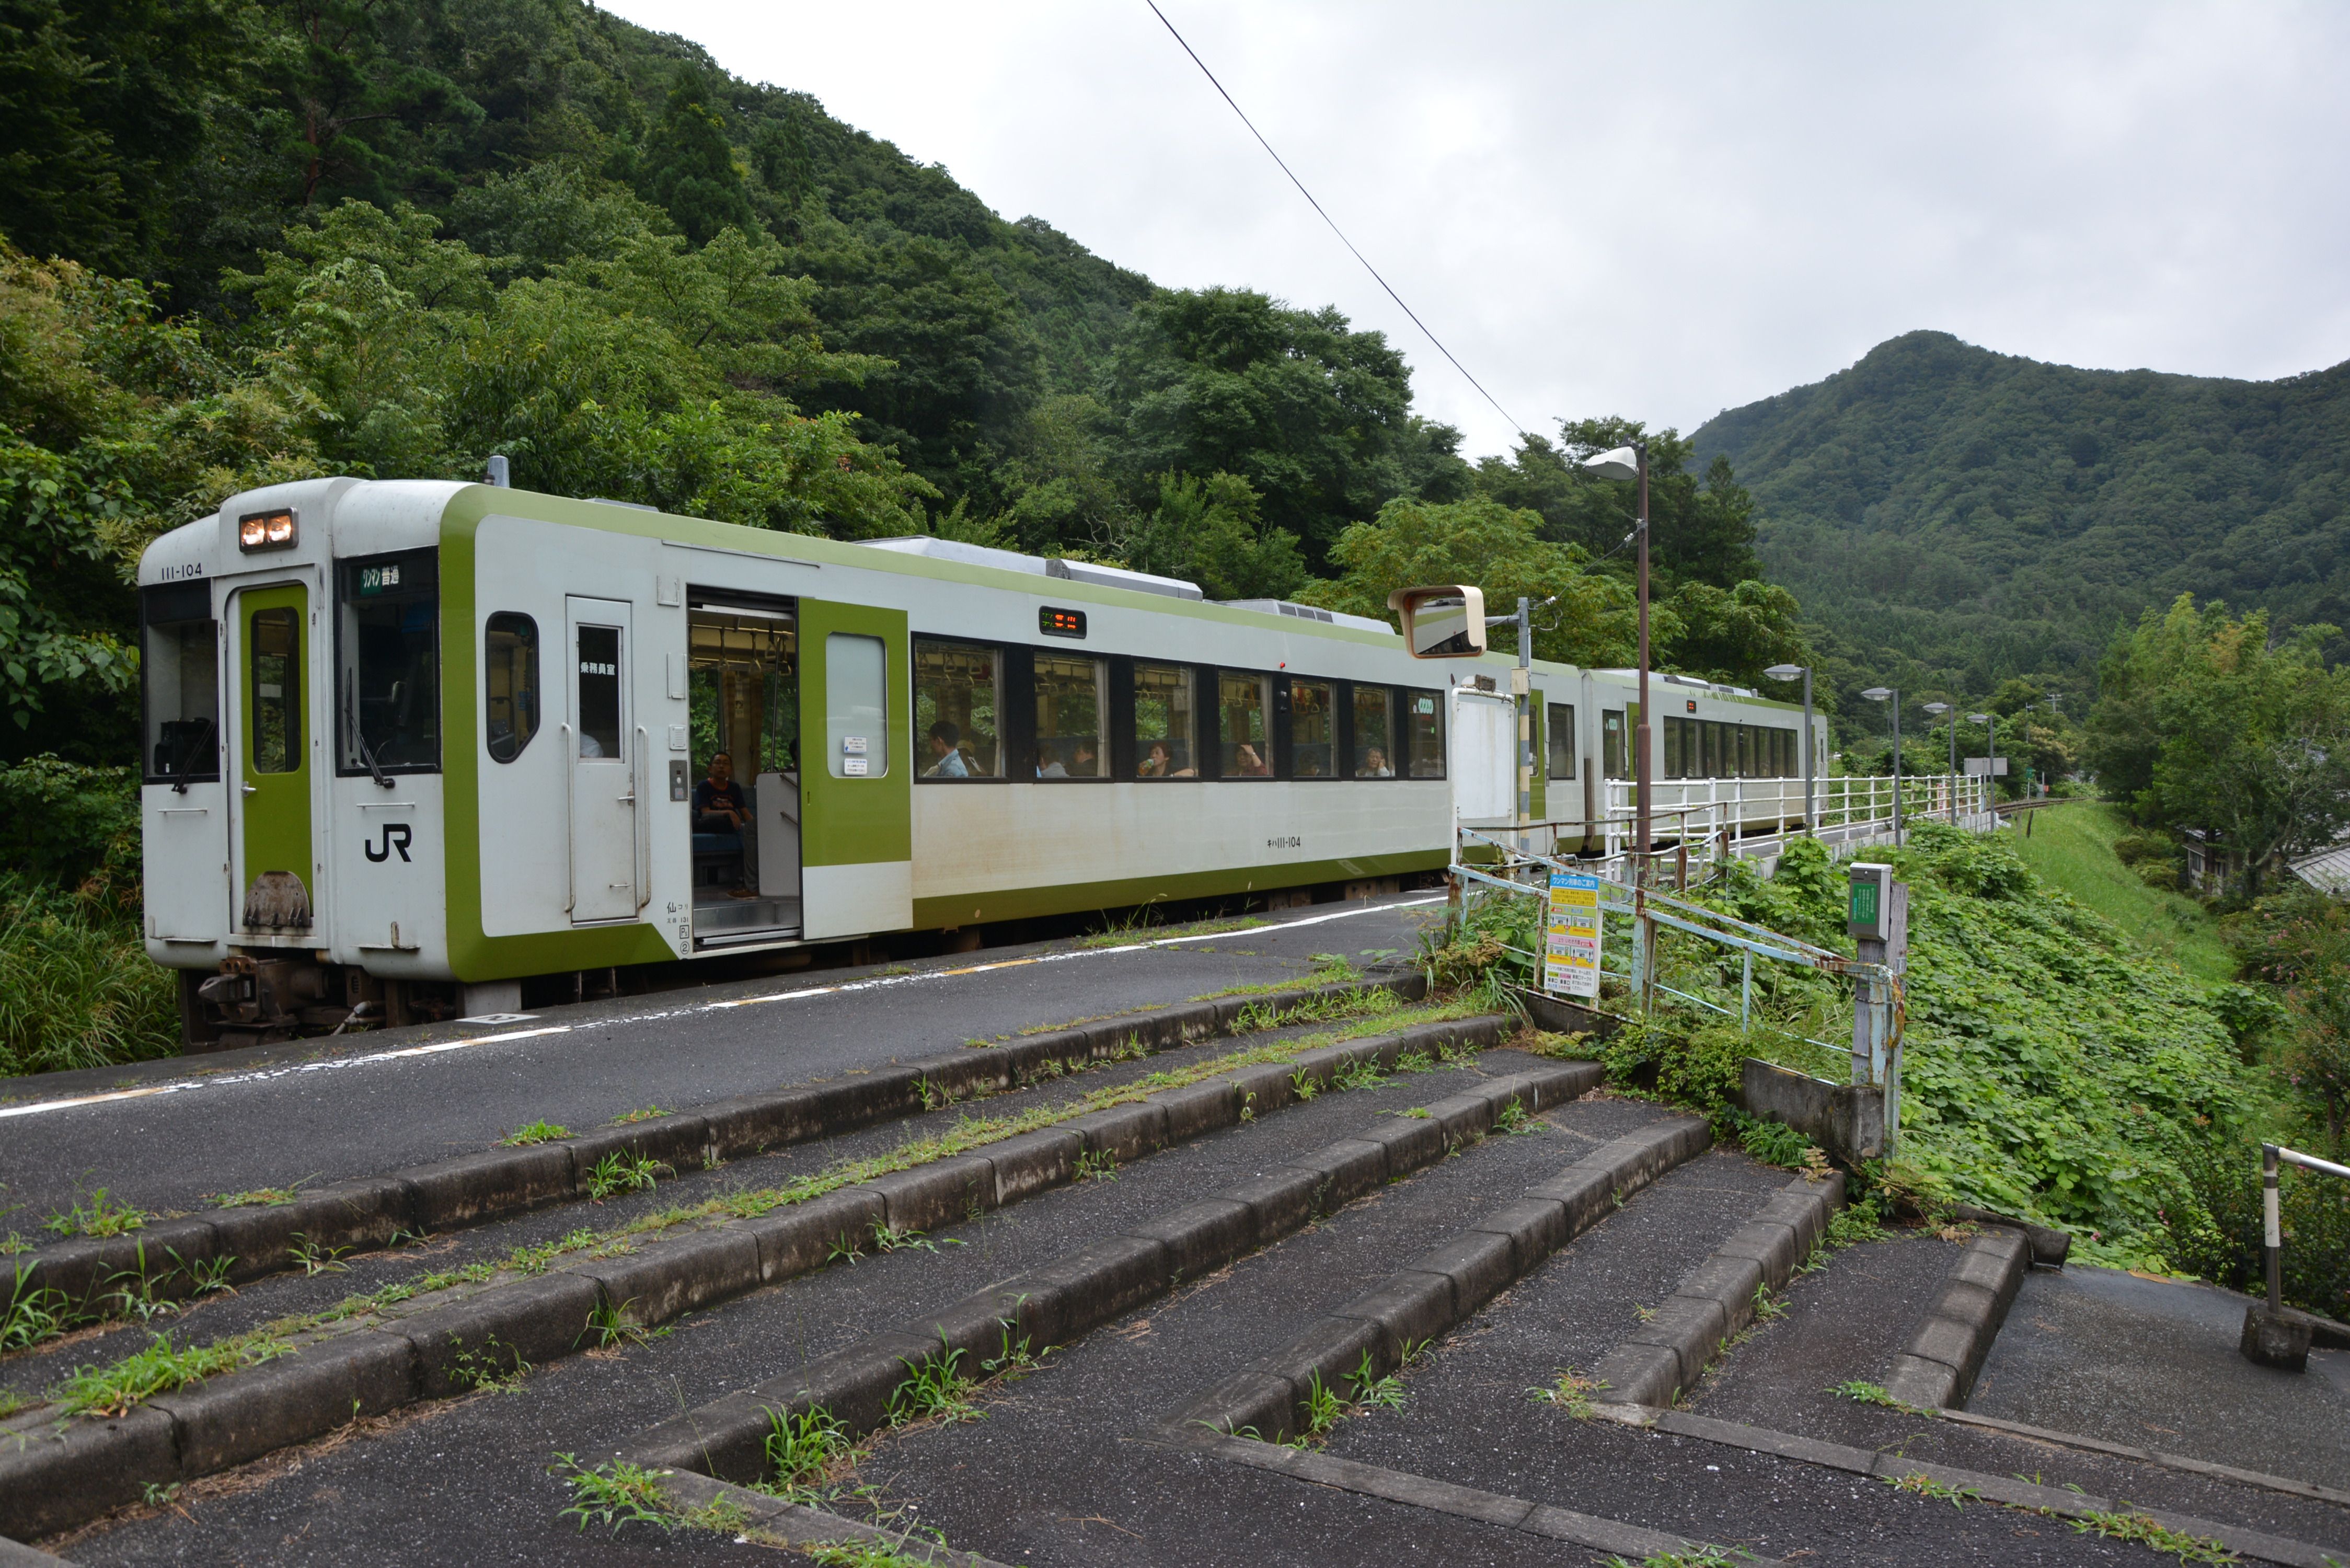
<point>265,530</point>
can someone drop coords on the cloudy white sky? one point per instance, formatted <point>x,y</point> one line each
<point>1657,209</point>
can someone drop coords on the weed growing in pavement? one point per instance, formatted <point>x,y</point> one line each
<point>621,1171</point>
<point>1324,1410</point>
<point>100,1215</point>
<point>534,1132</point>
<point>207,1276</point>
<point>804,1449</point>
<point>155,1496</point>
<point>259,1197</point>
<point>313,1259</point>
<point>1645,1313</point>
<point>934,1386</point>
<point>1417,1113</point>
<point>1303,1085</point>
<point>11,1402</point>
<point>12,1243</point>
<point>1097,1164</point>
<point>1918,1483</point>
<point>485,1369</point>
<point>1574,1046</point>
<point>1570,1391</point>
<point>642,1114</point>
<point>33,1315</point>
<point>1414,1061</point>
<point>610,1327</point>
<point>1768,1308</point>
<point>535,1259</point>
<point>161,1368</point>
<point>615,1494</point>
<point>1014,1362</point>
<point>845,1249</point>
<point>1134,1050</point>
<point>1515,1121</point>
<point>1372,1391</point>
<point>2145,1532</point>
<point>1876,1394</point>
<point>870,1554</point>
<point>135,1295</point>
<point>1696,1557</point>
<point>1363,1074</point>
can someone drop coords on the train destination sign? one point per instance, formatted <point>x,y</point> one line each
<point>1572,932</point>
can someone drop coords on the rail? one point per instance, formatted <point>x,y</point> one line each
<point>1874,1055</point>
<point>2273,1157</point>
<point>1846,809</point>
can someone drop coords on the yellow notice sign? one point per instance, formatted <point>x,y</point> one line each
<point>1571,932</point>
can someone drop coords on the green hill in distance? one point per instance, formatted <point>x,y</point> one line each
<point>1976,517</point>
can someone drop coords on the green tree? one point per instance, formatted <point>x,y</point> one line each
<point>1591,619</point>
<point>1700,533</point>
<point>1732,634</point>
<point>688,167</point>
<point>1210,532</point>
<point>2208,724</point>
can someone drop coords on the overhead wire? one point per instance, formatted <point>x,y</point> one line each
<point>1327,218</point>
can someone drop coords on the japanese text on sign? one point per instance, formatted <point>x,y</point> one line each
<point>1571,933</point>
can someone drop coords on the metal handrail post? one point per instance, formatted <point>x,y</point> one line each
<point>2272,1227</point>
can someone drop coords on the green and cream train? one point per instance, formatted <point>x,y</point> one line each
<point>409,743</point>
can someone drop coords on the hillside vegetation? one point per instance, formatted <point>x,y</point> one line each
<point>1959,517</point>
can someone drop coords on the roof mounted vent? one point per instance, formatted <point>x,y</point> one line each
<point>1292,609</point>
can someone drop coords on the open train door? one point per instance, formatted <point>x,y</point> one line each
<point>857,767</point>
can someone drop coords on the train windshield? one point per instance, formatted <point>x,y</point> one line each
<point>180,671</point>
<point>388,646</point>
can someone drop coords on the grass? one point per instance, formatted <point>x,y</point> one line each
<point>1875,1394</point>
<point>619,1172</point>
<point>1570,1391</point>
<point>259,1197</point>
<point>935,1387</point>
<point>534,1132</point>
<point>98,1215</point>
<point>161,1368</point>
<point>2072,848</point>
<point>76,987</point>
<point>2145,1532</point>
<point>615,1494</point>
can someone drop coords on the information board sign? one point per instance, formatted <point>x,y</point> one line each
<point>1572,930</point>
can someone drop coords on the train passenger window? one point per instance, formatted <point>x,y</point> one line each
<point>956,734</point>
<point>1558,729</point>
<point>1676,742</point>
<point>1312,730</point>
<point>1717,749</point>
<point>1375,752</point>
<point>1423,733</point>
<point>855,705</point>
<point>509,684</point>
<point>276,690</point>
<point>180,678</point>
<point>1788,767</point>
<point>388,692</point>
<point>1244,725</point>
<point>1166,730</point>
<point>599,692</point>
<point>1747,766</point>
<point>1612,748</point>
<point>1072,718</point>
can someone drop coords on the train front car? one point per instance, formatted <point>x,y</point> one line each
<point>291,797</point>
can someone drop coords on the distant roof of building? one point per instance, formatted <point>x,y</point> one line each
<point>2328,870</point>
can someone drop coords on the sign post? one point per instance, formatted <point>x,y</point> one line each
<point>1572,935</point>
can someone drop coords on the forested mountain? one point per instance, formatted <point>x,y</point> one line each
<point>1971,516</point>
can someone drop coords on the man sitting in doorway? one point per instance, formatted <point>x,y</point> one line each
<point>718,806</point>
<point>946,743</point>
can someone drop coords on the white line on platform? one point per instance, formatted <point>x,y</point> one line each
<point>265,1074</point>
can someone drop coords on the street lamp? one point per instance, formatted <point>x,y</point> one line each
<point>1939,709</point>
<point>1632,462</point>
<point>1892,694</point>
<point>1991,744</point>
<point>1788,672</point>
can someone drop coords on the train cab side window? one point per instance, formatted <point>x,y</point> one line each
<point>388,692</point>
<point>1072,718</point>
<point>855,705</point>
<point>1558,728</point>
<point>1374,747</point>
<point>180,678</point>
<point>1312,730</point>
<point>277,637</point>
<point>1244,725</point>
<point>509,684</point>
<point>1165,726</point>
<point>599,693</point>
<point>1612,751</point>
<point>956,731</point>
<point>1423,733</point>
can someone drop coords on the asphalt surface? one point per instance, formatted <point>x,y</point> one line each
<point>330,1110</point>
<point>2153,1363</point>
<point>467,1480</point>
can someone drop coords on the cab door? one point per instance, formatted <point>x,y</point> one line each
<point>604,748</point>
<point>274,870</point>
<point>856,764</point>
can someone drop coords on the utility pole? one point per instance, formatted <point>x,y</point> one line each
<point>1647,930</point>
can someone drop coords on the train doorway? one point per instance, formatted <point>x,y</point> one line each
<point>742,668</point>
<point>273,794</point>
<point>604,752</point>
